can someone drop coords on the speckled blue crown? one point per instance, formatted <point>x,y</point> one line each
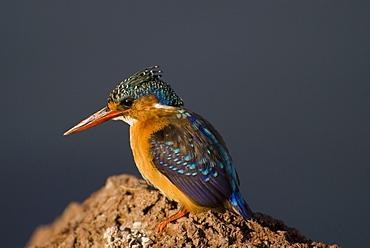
<point>145,82</point>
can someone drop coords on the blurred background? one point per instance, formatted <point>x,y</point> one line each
<point>287,84</point>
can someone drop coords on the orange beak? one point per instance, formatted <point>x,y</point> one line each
<point>101,116</point>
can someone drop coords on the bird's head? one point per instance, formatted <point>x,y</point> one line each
<point>137,97</point>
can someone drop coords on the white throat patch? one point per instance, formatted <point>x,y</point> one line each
<point>128,120</point>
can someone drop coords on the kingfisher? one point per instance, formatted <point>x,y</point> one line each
<point>175,150</point>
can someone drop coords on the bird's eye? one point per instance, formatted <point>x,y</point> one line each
<point>127,102</point>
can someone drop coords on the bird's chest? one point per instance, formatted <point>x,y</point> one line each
<point>140,135</point>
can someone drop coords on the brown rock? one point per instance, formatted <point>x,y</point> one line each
<point>125,213</point>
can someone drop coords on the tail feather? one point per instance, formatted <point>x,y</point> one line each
<point>240,206</point>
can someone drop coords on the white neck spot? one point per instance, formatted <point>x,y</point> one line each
<point>161,106</point>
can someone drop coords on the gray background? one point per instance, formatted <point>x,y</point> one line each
<point>286,83</point>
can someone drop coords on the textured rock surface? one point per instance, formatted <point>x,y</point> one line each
<point>126,212</point>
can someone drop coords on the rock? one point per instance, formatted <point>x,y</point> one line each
<point>126,211</point>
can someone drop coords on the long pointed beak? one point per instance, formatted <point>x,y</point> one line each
<point>101,116</point>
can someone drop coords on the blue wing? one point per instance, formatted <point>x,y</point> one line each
<point>194,157</point>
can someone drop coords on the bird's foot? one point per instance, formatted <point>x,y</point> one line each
<point>176,216</point>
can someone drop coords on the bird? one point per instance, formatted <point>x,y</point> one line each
<point>176,150</point>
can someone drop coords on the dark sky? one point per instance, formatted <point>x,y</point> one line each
<point>287,84</point>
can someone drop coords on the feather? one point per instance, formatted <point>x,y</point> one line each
<point>194,157</point>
